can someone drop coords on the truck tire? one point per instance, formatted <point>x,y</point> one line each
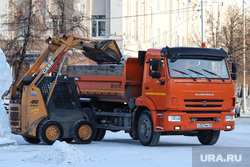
<point>83,132</point>
<point>134,137</point>
<point>146,133</point>
<point>50,131</point>
<point>208,137</point>
<point>100,133</point>
<point>31,140</point>
<point>238,115</point>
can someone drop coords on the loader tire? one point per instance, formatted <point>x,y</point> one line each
<point>50,131</point>
<point>83,132</point>
<point>31,140</point>
<point>208,137</point>
<point>100,133</point>
<point>146,133</point>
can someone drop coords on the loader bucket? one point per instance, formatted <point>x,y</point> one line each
<point>104,52</point>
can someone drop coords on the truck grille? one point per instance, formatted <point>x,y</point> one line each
<point>202,112</point>
<point>203,103</point>
<point>203,106</point>
<point>201,100</point>
<point>203,119</point>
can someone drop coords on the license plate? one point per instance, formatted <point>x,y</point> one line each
<point>204,125</point>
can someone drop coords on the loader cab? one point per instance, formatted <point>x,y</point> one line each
<point>64,103</point>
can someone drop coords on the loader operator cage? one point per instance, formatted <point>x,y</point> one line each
<point>62,96</point>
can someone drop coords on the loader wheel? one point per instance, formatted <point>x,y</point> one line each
<point>83,132</point>
<point>50,131</point>
<point>31,140</point>
<point>208,137</point>
<point>100,133</point>
<point>146,133</point>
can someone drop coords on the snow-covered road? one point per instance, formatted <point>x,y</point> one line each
<point>119,150</point>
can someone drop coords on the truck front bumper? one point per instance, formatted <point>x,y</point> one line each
<point>182,121</point>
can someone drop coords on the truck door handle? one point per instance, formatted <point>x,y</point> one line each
<point>146,87</point>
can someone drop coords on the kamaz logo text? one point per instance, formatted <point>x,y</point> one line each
<point>204,94</point>
<point>48,67</point>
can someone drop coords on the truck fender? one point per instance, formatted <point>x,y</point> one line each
<point>146,102</point>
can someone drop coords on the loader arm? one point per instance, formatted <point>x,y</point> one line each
<point>99,51</point>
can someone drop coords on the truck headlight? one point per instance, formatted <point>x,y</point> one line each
<point>229,118</point>
<point>174,118</point>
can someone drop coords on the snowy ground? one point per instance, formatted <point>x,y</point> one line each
<point>119,150</point>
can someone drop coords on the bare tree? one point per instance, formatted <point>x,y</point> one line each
<point>64,17</point>
<point>24,29</point>
<point>227,33</point>
<point>30,21</point>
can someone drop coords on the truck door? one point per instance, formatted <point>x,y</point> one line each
<point>154,85</point>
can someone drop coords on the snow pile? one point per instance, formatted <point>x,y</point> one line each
<point>61,153</point>
<point>5,81</point>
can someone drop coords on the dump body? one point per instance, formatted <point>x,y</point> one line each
<point>109,82</point>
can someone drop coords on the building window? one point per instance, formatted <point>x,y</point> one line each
<point>99,26</point>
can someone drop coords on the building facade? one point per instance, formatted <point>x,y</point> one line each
<point>141,24</point>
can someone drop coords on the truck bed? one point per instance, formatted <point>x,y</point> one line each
<point>109,82</point>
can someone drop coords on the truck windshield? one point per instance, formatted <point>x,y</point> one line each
<point>198,67</point>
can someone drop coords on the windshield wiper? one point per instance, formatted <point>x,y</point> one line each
<point>210,72</point>
<point>184,74</point>
<point>200,74</point>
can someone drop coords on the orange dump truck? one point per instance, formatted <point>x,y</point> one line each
<point>169,91</point>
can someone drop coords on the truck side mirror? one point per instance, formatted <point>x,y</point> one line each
<point>155,64</point>
<point>234,67</point>
<point>156,75</point>
<point>234,76</point>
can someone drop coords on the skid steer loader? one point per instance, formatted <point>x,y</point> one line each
<point>46,108</point>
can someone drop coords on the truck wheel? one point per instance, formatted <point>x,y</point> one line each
<point>50,131</point>
<point>146,133</point>
<point>238,115</point>
<point>208,137</point>
<point>83,132</point>
<point>31,140</point>
<point>100,133</point>
<point>134,137</point>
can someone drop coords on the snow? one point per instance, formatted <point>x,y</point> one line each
<point>118,149</point>
<point>5,80</point>
<point>61,153</point>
